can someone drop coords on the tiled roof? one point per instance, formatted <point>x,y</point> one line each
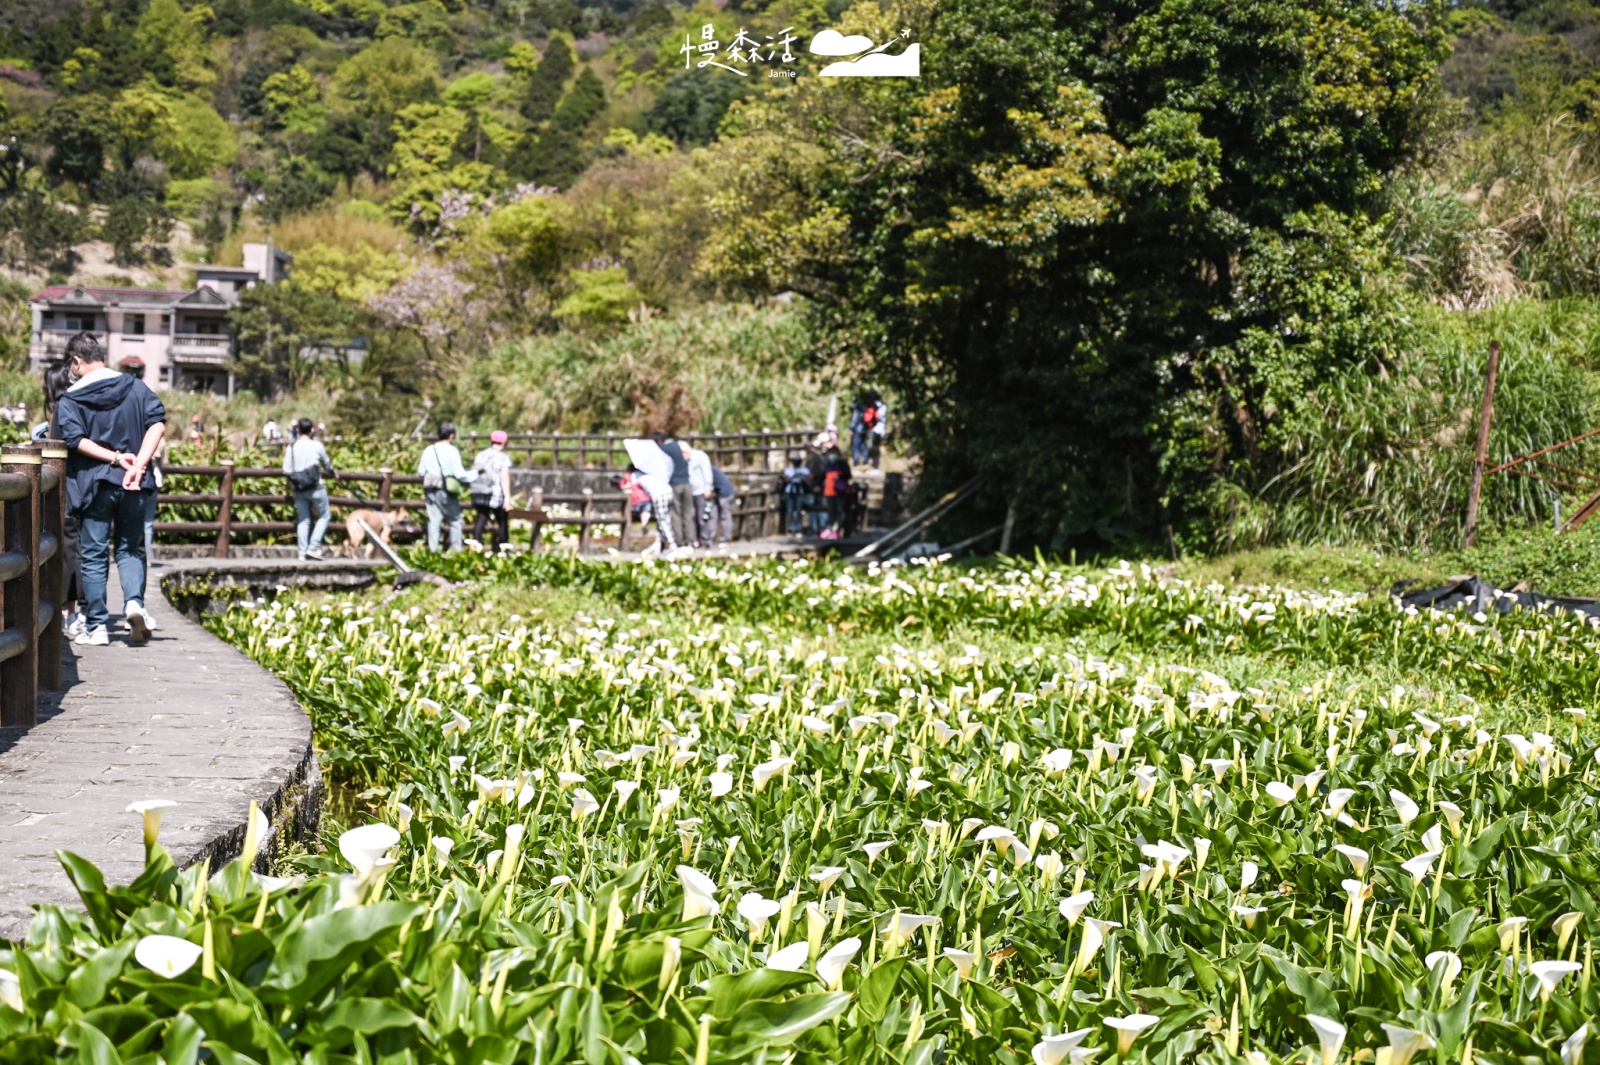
<point>56,292</point>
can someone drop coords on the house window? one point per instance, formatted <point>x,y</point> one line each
<point>79,323</point>
<point>133,325</point>
<point>165,375</point>
<point>206,327</point>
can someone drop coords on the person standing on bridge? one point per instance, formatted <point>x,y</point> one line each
<point>443,477</point>
<point>304,462</point>
<point>112,424</point>
<point>491,490</point>
<point>683,501</point>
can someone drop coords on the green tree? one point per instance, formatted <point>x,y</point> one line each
<point>174,44</point>
<point>1049,239</point>
<point>586,99</point>
<point>281,330</point>
<point>600,299</point>
<point>548,79</point>
<point>377,82</point>
<point>196,141</point>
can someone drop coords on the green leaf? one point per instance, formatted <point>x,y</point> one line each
<point>1317,997</point>
<point>368,1015</point>
<point>93,1046</point>
<point>730,993</point>
<point>86,987</point>
<point>322,948</point>
<point>876,990</point>
<point>91,888</point>
<point>181,1040</point>
<point>780,1023</point>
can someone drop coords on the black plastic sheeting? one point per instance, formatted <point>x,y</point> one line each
<point>1476,594</point>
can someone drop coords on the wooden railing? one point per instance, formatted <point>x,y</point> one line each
<point>743,451</point>
<point>757,512</point>
<point>33,576</point>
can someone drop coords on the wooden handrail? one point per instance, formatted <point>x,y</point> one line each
<point>757,510</point>
<point>32,576</point>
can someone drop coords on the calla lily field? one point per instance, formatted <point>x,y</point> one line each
<point>803,812</point>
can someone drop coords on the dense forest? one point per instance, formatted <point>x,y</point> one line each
<point>1177,272</point>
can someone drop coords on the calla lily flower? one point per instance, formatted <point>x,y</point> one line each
<point>1508,931</point>
<point>166,956</point>
<point>1420,866</point>
<point>363,847</point>
<point>1565,925</point>
<point>1408,811</point>
<point>1186,767</point>
<point>666,799</point>
<point>1572,1046</point>
<point>767,770</point>
<point>699,894</point>
<point>583,804</point>
<point>1551,973</point>
<point>1202,847</point>
<point>1249,913</point>
<point>1433,839</point>
<point>1330,1036</point>
<point>1053,1049</point>
<point>875,849</point>
<point>1247,876</point>
<point>902,926</point>
<point>1001,836</point>
<point>1219,767</point>
<point>1404,1043</point>
<point>968,825</point>
<point>442,846</point>
<point>721,784</point>
<point>1280,793</point>
<point>790,959</point>
<point>1446,963</point>
<point>566,780</point>
<point>257,829</point>
<point>1128,1029</point>
<point>152,810</point>
<point>11,991</point>
<point>963,960</point>
<point>758,910</point>
<point>404,816</point>
<point>1337,799</point>
<point>1058,760</point>
<point>1358,857</point>
<point>1094,934</point>
<point>831,966</point>
<point>826,876</point>
<point>1072,907</point>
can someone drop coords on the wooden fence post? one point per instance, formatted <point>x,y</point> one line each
<point>53,581</point>
<point>537,506</point>
<point>584,537</point>
<point>225,511</point>
<point>385,487</point>
<point>1475,489</point>
<point>19,677</point>
<point>530,448</point>
<point>555,449</point>
<point>627,522</point>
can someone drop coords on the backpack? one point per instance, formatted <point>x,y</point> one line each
<point>306,480</point>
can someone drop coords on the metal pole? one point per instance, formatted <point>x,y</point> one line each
<point>1475,490</point>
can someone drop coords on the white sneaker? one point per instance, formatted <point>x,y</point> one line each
<point>138,623</point>
<point>95,637</point>
<point>682,552</point>
<point>73,624</point>
<point>652,548</point>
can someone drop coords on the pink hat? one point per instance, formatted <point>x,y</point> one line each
<point>498,437</point>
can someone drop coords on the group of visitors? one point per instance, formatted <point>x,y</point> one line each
<point>869,424</point>
<point>819,493</point>
<point>488,484</point>
<point>676,484</point>
<point>114,427</point>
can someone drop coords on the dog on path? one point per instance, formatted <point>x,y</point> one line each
<point>381,522</point>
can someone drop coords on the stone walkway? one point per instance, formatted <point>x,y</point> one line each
<point>186,718</point>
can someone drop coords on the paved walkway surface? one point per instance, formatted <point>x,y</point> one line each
<point>185,717</point>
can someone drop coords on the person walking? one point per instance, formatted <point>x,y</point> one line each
<point>57,379</point>
<point>112,424</point>
<point>682,494</point>
<point>491,490</point>
<point>836,493</point>
<point>442,479</point>
<point>796,479</point>
<point>304,461</point>
<point>723,494</point>
<point>704,493</point>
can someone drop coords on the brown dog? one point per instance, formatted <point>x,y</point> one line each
<point>381,523</point>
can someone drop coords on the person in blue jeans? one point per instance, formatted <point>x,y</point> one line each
<point>112,424</point>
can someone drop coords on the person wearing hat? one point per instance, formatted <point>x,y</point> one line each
<point>491,489</point>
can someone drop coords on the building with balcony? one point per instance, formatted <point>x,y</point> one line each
<point>174,339</point>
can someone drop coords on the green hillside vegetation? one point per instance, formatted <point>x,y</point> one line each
<point>1164,276</point>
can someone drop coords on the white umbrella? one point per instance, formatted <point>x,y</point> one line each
<point>649,458</point>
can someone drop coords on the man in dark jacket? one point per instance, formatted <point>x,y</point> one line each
<point>683,501</point>
<point>112,424</point>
